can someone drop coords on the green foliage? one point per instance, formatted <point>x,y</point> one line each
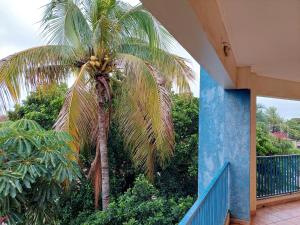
<point>179,176</point>
<point>142,205</point>
<point>121,168</point>
<point>273,119</point>
<point>77,204</point>
<point>264,144</point>
<point>261,117</point>
<point>42,106</point>
<point>269,145</point>
<point>293,128</point>
<point>99,43</point>
<point>176,180</point>
<point>268,120</point>
<point>35,165</point>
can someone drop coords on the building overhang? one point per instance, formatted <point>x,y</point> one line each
<point>181,20</point>
<point>225,37</point>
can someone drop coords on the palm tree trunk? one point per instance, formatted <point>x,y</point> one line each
<point>102,138</point>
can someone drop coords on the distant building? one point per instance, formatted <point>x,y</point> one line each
<point>3,118</point>
<point>280,135</point>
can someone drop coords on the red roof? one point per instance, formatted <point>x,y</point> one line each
<point>280,135</point>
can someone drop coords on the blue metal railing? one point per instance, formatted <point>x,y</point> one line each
<point>277,175</point>
<point>212,206</point>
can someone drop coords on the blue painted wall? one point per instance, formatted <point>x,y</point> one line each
<point>225,136</point>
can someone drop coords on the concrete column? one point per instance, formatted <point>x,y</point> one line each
<point>224,135</point>
<point>253,154</point>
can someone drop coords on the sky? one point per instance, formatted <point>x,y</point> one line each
<point>287,109</point>
<point>19,30</point>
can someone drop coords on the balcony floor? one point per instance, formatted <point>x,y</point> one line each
<point>285,214</point>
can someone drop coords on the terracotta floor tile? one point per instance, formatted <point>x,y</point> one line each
<point>285,214</point>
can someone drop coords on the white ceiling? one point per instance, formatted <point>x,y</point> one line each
<point>265,34</point>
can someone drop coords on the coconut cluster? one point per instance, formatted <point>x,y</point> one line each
<point>102,65</point>
<point>94,62</point>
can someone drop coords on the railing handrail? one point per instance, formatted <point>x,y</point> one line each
<point>273,156</point>
<point>200,200</point>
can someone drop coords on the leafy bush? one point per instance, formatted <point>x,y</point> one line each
<point>35,166</point>
<point>121,168</point>
<point>41,106</point>
<point>77,204</point>
<point>142,205</point>
<point>266,144</point>
<point>179,176</point>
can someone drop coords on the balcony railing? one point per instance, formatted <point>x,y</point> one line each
<point>277,175</point>
<point>212,206</point>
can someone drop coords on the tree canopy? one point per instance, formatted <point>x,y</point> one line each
<point>270,124</point>
<point>41,106</point>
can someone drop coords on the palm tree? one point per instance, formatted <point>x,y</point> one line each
<point>274,119</point>
<point>106,45</point>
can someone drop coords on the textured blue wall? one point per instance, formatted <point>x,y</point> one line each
<point>225,136</point>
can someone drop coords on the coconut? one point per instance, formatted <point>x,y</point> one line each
<point>97,64</point>
<point>92,63</point>
<point>93,58</point>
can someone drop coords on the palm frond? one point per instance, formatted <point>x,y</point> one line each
<point>99,9</point>
<point>174,68</point>
<point>144,114</point>
<point>139,23</point>
<point>79,113</point>
<point>28,69</point>
<point>66,22</point>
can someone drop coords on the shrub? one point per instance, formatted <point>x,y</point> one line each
<point>77,204</point>
<point>142,205</point>
<point>41,106</point>
<point>179,176</point>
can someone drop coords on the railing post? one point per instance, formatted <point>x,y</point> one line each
<point>277,175</point>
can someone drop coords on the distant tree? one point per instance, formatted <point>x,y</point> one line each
<point>261,117</point>
<point>41,106</point>
<point>293,128</point>
<point>35,166</point>
<point>268,120</point>
<point>273,119</point>
<point>264,145</point>
<point>269,145</point>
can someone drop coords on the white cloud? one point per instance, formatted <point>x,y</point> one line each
<point>132,2</point>
<point>286,108</point>
<point>19,25</point>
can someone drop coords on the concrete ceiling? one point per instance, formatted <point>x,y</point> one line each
<point>179,18</point>
<point>265,34</point>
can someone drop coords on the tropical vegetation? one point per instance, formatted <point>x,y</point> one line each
<point>35,167</point>
<point>142,204</point>
<point>115,53</point>
<point>42,106</point>
<point>269,123</point>
<point>176,182</point>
